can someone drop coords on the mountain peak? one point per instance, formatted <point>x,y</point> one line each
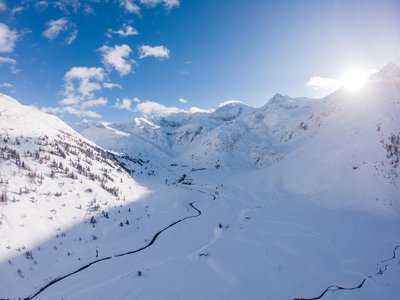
<point>277,98</point>
<point>390,70</point>
<point>231,103</point>
<point>9,99</point>
<point>15,116</point>
<point>230,110</point>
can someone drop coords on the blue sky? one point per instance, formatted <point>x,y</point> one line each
<point>110,60</point>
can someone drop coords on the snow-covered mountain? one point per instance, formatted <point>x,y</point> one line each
<point>233,132</point>
<point>298,199</point>
<point>345,139</point>
<point>51,178</point>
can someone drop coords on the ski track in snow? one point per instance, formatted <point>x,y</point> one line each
<point>313,233</point>
<point>152,241</point>
<point>382,269</point>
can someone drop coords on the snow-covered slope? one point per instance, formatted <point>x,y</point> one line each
<point>353,160</point>
<point>23,120</point>
<point>52,180</point>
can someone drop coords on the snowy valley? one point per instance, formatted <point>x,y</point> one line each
<point>297,199</point>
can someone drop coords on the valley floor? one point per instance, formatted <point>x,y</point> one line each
<point>250,242</point>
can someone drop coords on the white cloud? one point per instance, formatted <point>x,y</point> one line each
<point>194,110</point>
<point>87,88</point>
<point>71,110</point>
<point>125,31</point>
<point>95,102</point>
<point>168,3</point>
<point>41,5</point>
<point>8,86</point>
<point>71,100</point>
<point>352,80</point>
<point>81,112</point>
<point>110,85</point>
<point>229,102</point>
<point>149,107</point>
<point>55,27</point>
<point>3,5</point>
<point>12,62</point>
<point>8,38</point>
<point>85,73</point>
<point>117,57</point>
<point>323,83</point>
<point>157,51</point>
<point>72,37</point>
<point>67,6</point>
<point>16,10</point>
<point>88,10</point>
<point>130,6</point>
<point>81,83</point>
<point>52,110</point>
<point>155,108</point>
<point>181,100</point>
<point>125,103</point>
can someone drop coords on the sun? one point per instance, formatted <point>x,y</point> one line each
<point>354,79</point>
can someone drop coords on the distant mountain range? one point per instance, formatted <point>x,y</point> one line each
<point>345,140</point>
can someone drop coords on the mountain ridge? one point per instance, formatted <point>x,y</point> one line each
<point>282,121</point>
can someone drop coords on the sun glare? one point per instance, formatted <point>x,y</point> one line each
<point>354,79</point>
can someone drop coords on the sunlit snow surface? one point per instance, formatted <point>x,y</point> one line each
<point>295,197</point>
<point>271,245</point>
